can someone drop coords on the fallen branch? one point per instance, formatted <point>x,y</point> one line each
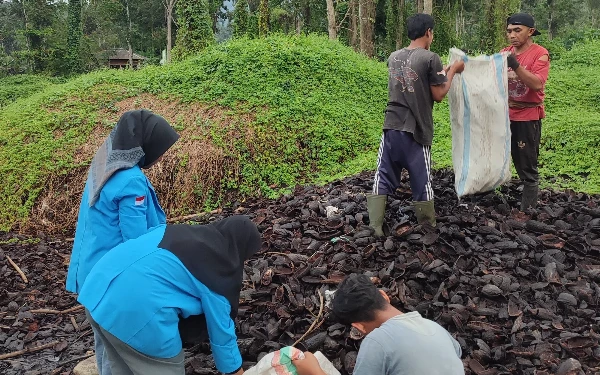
<point>74,323</point>
<point>312,326</point>
<point>47,311</point>
<point>76,359</point>
<point>82,335</point>
<point>200,215</point>
<point>17,269</point>
<point>28,350</point>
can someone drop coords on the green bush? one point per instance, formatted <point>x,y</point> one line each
<point>21,86</point>
<point>314,109</point>
<point>312,106</point>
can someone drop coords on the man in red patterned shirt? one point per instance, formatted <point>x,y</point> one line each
<point>529,65</point>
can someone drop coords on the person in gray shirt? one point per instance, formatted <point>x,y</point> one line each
<point>417,78</point>
<point>396,343</point>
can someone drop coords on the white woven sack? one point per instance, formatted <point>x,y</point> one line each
<point>478,101</point>
<point>280,363</point>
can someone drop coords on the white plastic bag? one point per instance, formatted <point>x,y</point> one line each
<point>280,363</point>
<point>478,101</point>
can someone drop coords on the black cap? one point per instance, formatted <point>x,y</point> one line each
<point>522,19</point>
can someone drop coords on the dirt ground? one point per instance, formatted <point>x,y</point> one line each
<point>519,291</point>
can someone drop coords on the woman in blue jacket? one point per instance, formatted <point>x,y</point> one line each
<point>118,202</point>
<point>137,293</point>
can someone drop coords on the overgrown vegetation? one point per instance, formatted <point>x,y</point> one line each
<point>22,86</point>
<point>256,117</point>
<point>293,107</point>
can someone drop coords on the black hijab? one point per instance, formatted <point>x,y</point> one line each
<point>139,138</point>
<point>215,253</point>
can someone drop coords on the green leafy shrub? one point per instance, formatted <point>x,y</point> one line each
<point>292,110</point>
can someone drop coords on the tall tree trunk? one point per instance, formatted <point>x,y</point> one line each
<point>363,19</point>
<point>419,6</point>
<point>331,23</point>
<point>400,25</point>
<point>366,10</point>
<point>428,7</point>
<point>354,41</point>
<point>263,18</point>
<point>550,4</point>
<point>74,36</point>
<point>27,41</point>
<point>307,15</point>
<point>169,5</point>
<point>129,35</point>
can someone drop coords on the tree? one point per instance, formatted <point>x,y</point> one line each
<point>240,18</point>
<point>195,28</point>
<point>331,23</point>
<point>400,24</point>
<point>129,47</point>
<point>263,18</point>
<point>493,28</point>
<point>38,16</point>
<point>366,10</point>
<point>394,25</point>
<point>428,6</point>
<point>354,26</point>
<point>74,37</point>
<point>169,7</point>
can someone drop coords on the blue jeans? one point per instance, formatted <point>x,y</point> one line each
<point>101,357</point>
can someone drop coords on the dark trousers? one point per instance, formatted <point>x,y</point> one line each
<point>399,150</point>
<point>193,329</point>
<point>525,149</point>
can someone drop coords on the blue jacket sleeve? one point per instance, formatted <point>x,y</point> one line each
<point>221,332</point>
<point>133,204</point>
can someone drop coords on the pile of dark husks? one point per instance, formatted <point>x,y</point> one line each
<point>519,291</point>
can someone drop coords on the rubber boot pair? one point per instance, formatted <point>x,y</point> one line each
<point>425,212</point>
<point>376,208</point>
<point>530,197</point>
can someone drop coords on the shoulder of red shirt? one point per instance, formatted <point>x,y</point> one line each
<point>541,51</point>
<point>536,47</point>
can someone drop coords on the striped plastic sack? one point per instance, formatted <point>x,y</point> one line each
<point>478,101</point>
<point>280,363</point>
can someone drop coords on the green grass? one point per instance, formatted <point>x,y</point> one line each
<point>316,110</point>
<point>22,86</point>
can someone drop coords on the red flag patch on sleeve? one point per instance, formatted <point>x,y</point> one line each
<point>140,200</point>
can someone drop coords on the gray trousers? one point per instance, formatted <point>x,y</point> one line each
<point>101,357</point>
<point>124,360</point>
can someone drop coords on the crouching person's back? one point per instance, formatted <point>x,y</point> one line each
<point>396,343</point>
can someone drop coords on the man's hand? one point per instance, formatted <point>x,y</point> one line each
<point>458,66</point>
<point>239,372</point>
<point>309,365</point>
<point>512,62</point>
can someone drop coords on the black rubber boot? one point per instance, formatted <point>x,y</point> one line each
<point>530,197</point>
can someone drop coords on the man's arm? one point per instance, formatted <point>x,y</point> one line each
<point>530,79</point>
<point>439,92</point>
